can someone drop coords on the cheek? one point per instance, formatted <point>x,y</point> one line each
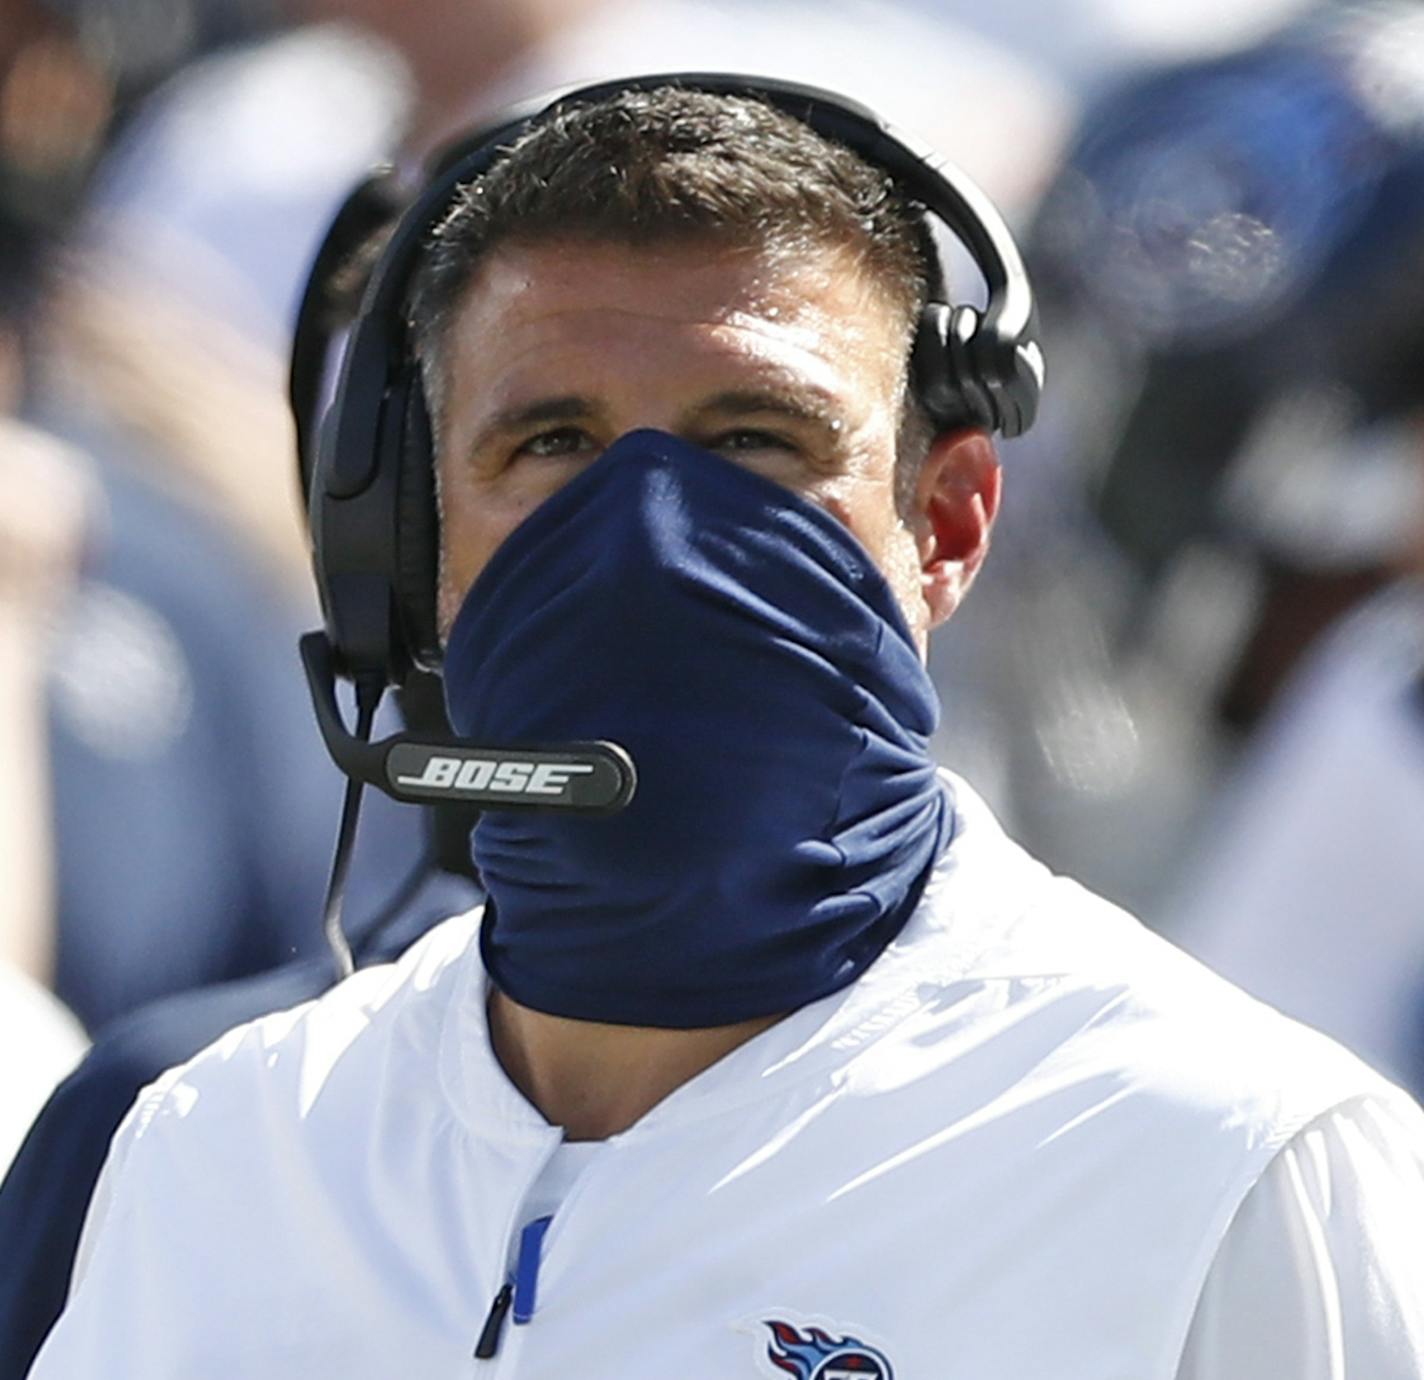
<point>476,517</point>
<point>870,512</point>
<point>457,573</point>
<point>867,507</point>
<point>471,531</point>
<point>901,564</point>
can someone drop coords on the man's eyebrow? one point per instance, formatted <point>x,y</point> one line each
<point>571,407</point>
<point>795,405</point>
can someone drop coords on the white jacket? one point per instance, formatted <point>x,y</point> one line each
<point>1009,1152</point>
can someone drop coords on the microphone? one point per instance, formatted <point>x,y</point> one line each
<point>596,778</point>
<point>592,778</point>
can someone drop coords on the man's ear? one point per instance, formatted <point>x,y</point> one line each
<point>956,501</point>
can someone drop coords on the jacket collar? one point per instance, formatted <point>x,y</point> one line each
<point>959,918</point>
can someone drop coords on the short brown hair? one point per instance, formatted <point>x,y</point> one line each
<point>669,165</point>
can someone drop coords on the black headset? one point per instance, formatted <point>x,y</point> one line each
<point>367,468</point>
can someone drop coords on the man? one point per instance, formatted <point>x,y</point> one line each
<point>795,1066</point>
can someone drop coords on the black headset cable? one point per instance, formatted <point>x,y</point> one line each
<point>368,696</point>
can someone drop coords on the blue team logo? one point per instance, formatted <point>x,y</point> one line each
<point>816,1355</point>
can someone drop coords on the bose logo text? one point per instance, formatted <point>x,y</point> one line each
<point>484,774</point>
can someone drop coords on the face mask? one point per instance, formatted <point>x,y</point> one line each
<point>745,649</point>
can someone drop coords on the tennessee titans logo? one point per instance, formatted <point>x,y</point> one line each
<point>816,1355</point>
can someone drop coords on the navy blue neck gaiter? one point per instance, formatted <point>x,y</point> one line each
<point>745,649</point>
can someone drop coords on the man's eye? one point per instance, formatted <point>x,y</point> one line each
<point>748,438</point>
<point>564,440</point>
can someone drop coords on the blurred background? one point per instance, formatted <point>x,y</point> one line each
<point>1192,675</point>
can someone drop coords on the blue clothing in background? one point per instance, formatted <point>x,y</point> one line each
<point>195,808</point>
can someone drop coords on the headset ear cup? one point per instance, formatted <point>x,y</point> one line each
<point>943,372</point>
<point>417,536</point>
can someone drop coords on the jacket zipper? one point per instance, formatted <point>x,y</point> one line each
<point>488,1343</point>
<point>521,1290</point>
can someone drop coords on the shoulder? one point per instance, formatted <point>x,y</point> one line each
<point>336,1051</point>
<point>1114,1000</point>
<point>271,1110</point>
<point>132,1053</point>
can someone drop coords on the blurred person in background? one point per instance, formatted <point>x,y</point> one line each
<point>1090,44</point>
<point>1232,267</point>
<point>1229,269</point>
<point>42,505</point>
<point>164,710</point>
<point>1306,883</point>
<point>168,810</point>
<point>1307,886</point>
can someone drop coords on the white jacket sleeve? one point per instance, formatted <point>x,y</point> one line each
<point>1321,1275</point>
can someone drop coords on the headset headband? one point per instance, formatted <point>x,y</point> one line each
<point>367,470</point>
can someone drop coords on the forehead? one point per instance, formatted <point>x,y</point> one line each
<point>528,305</point>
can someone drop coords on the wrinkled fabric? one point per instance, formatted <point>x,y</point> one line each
<point>746,651</point>
<point>1017,1147</point>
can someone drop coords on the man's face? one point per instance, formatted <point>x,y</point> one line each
<point>792,368</point>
